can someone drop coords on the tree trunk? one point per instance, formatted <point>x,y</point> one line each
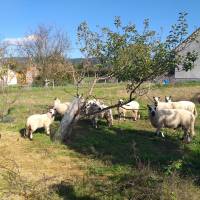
<point>68,121</point>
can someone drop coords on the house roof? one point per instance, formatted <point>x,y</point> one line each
<point>182,45</point>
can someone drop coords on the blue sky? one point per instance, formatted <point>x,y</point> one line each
<point>19,16</point>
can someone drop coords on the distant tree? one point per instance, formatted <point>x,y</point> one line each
<point>135,56</point>
<point>47,49</point>
<point>6,98</point>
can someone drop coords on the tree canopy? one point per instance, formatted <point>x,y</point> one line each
<point>136,56</point>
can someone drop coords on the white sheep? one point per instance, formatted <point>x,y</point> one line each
<point>94,106</point>
<point>132,106</point>
<point>185,105</point>
<point>39,121</point>
<point>172,118</point>
<point>60,108</point>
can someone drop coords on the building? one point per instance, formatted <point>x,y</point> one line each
<point>192,43</point>
<point>9,77</point>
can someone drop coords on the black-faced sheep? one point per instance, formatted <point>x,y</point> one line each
<point>95,106</point>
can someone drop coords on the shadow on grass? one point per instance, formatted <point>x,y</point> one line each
<point>115,145</point>
<point>67,192</point>
<point>22,132</point>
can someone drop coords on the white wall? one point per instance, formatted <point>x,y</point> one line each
<point>193,74</point>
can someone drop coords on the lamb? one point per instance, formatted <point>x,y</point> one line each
<point>132,106</point>
<point>186,105</point>
<point>172,118</point>
<point>60,108</point>
<point>94,106</point>
<point>39,121</point>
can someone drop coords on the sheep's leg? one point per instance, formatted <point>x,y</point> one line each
<point>158,132</point>
<point>30,134</point>
<point>138,115</point>
<point>109,120</point>
<point>94,122</point>
<point>119,114</point>
<point>26,133</point>
<point>192,133</point>
<point>135,115</point>
<point>124,116</point>
<point>187,137</point>
<point>47,130</point>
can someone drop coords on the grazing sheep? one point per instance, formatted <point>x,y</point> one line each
<point>132,106</point>
<point>39,121</point>
<point>94,106</point>
<point>172,118</point>
<point>60,108</point>
<point>185,105</point>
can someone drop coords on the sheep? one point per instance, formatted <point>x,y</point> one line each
<point>94,106</point>
<point>132,106</point>
<point>39,121</point>
<point>186,105</point>
<point>60,108</point>
<point>172,118</point>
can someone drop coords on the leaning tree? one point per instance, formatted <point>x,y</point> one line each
<point>131,55</point>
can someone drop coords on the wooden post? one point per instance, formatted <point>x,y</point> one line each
<point>53,83</point>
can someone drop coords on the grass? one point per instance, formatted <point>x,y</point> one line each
<point>126,161</point>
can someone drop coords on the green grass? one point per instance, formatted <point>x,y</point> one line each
<point>126,161</point>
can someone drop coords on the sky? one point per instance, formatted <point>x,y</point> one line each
<point>18,17</point>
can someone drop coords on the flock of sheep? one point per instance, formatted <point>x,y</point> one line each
<point>167,114</point>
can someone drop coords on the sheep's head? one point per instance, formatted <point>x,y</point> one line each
<point>121,101</point>
<point>156,99</point>
<point>52,112</point>
<point>168,99</point>
<point>92,107</point>
<point>56,101</point>
<point>152,110</point>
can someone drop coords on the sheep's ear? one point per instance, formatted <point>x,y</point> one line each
<point>55,98</point>
<point>170,97</point>
<point>158,97</point>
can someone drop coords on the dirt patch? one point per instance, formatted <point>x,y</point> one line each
<point>34,162</point>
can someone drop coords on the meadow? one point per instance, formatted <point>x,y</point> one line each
<point>126,161</point>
